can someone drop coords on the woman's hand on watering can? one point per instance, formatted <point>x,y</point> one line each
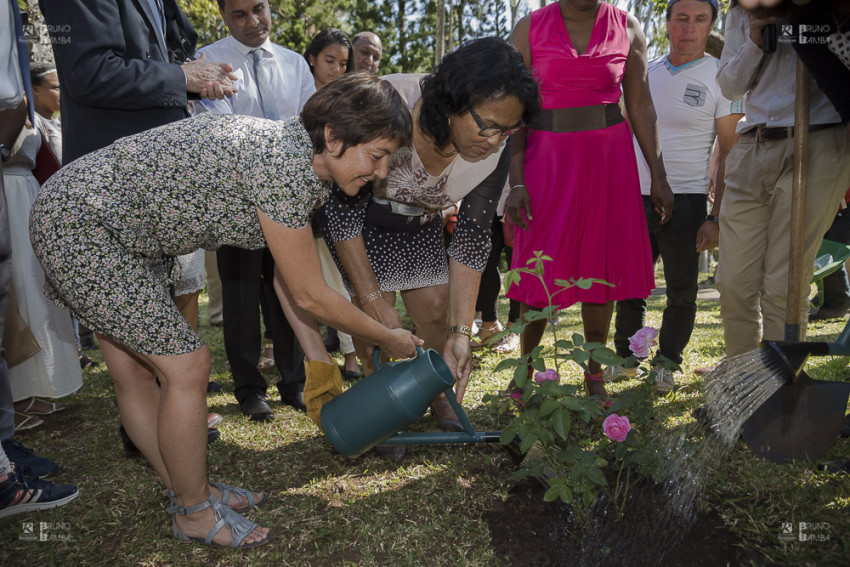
<point>458,355</point>
<point>402,344</point>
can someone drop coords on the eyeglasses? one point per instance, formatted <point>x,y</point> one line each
<point>490,131</point>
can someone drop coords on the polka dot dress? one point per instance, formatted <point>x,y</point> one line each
<point>408,252</point>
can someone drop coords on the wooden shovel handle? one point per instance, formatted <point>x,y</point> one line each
<point>793,314</point>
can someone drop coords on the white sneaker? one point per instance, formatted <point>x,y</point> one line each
<point>618,372</point>
<point>663,379</point>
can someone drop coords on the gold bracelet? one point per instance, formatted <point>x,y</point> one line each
<point>460,330</point>
<point>374,296</point>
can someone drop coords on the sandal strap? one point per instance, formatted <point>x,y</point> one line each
<point>594,377</point>
<point>240,527</point>
<point>241,494</point>
<point>176,508</point>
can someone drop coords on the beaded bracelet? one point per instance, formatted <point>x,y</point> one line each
<point>374,296</point>
<point>460,330</point>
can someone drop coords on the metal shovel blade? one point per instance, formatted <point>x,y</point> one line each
<point>801,420</point>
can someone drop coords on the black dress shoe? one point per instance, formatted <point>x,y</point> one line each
<point>213,387</point>
<point>292,395</point>
<point>256,408</point>
<point>212,435</point>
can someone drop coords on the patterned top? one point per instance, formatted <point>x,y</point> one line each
<point>198,184</point>
<point>409,182</point>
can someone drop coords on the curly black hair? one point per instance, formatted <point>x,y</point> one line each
<point>486,69</point>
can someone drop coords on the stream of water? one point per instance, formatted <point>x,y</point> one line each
<point>657,519</point>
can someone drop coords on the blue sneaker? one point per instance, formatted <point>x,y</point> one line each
<point>20,493</point>
<point>26,460</point>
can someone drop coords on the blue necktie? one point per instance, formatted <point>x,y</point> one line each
<point>23,59</point>
<point>264,86</point>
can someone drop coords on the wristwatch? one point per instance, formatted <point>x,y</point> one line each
<point>5,152</point>
<point>713,218</point>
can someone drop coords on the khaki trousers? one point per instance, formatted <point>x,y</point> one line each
<point>755,220</point>
<point>214,305</point>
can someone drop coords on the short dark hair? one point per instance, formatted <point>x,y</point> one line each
<point>710,5</point>
<point>326,37</point>
<point>486,69</point>
<point>40,70</point>
<point>359,108</point>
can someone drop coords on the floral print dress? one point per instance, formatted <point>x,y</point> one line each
<point>105,225</point>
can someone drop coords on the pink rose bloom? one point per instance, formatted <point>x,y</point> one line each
<point>640,342</point>
<point>616,428</point>
<point>548,374</point>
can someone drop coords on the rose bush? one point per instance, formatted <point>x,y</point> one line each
<point>556,429</point>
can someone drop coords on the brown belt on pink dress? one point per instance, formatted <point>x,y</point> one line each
<point>579,118</point>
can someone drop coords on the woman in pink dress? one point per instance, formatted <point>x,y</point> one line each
<point>574,183</point>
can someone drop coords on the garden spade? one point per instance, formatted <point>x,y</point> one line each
<point>802,419</point>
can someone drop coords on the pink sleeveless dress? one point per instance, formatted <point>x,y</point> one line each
<point>584,190</point>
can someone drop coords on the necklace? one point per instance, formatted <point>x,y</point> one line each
<point>444,154</point>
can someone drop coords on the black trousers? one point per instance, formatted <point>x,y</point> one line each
<point>246,277</point>
<point>491,281</point>
<point>7,409</point>
<point>675,242</point>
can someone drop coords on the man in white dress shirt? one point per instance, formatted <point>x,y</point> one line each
<point>273,82</point>
<point>752,276</point>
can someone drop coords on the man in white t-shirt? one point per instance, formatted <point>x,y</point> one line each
<point>692,114</point>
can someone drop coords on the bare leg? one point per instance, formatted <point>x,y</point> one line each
<point>362,349</point>
<point>178,432</point>
<point>138,400</point>
<point>596,319</point>
<point>530,337</point>
<point>305,326</point>
<point>428,307</point>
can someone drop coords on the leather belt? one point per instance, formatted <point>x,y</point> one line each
<point>579,118</point>
<point>405,209</point>
<point>782,133</point>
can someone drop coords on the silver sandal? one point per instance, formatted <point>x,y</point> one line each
<point>240,527</point>
<point>241,494</point>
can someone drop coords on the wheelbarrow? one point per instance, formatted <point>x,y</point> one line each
<point>830,257</point>
<point>397,394</point>
<point>802,419</point>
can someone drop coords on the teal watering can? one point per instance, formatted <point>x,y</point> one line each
<point>373,411</point>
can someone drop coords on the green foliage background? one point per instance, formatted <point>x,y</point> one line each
<point>407,27</point>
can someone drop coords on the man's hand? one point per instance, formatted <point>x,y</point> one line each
<point>662,197</point>
<point>518,203</point>
<point>757,22</point>
<point>708,236</point>
<point>212,81</point>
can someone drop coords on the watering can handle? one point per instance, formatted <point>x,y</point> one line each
<point>376,356</point>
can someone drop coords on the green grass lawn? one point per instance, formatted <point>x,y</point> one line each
<point>329,510</point>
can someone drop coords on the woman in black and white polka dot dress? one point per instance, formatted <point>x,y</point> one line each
<point>462,115</point>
